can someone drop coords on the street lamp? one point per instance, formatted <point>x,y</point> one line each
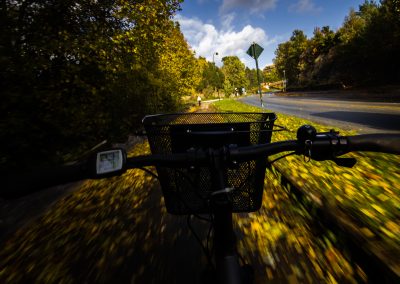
<point>284,80</point>
<point>216,53</point>
<point>215,69</point>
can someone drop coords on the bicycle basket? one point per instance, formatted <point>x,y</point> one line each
<point>187,191</point>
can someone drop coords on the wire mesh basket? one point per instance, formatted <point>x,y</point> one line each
<point>188,190</point>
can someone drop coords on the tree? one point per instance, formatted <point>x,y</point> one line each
<point>316,57</point>
<point>271,74</point>
<point>251,75</point>
<point>178,69</point>
<point>234,73</point>
<point>212,77</point>
<point>288,57</point>
<point>363,51</point>
<point>76,72</point>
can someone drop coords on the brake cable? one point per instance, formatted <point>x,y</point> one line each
<point>205,249</point>
<point>281,157</point>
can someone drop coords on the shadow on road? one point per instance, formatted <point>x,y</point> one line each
<point>374,120</point>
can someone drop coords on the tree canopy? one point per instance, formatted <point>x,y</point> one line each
<point>363,51</point>
<point>211,77</point>
<point>235,74</point>
<point>76,72</point>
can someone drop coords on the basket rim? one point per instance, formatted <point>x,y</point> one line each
<point>147,119</point>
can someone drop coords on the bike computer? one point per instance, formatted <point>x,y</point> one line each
<point>110,161</point>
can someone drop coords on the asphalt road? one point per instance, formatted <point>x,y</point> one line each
<point>364,117</point>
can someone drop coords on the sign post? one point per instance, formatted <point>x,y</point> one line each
<point>254,51</point>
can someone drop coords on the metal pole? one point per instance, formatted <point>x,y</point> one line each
<point>258,76</point>
<point>284,80</point>
<point>215,70</point>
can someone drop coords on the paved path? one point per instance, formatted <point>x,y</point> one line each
<point>365,117</point>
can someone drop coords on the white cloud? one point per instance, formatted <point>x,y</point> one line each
<point>304,6</point>
<point>206,39</point>
<point>227,20</point>
<point>254,6</point>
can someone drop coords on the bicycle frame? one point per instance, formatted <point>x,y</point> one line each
<point>226,256</point>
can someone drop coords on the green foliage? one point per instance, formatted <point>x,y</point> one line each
<point>251,75</point>
<point>235,74</point>
<point>76,72</point>
<point>211,77</point>
<point>178,69</point>
<point>288,57</point>
<point>363,51</point>
<point>270,74</point>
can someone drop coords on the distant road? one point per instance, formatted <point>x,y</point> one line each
<point>365,117</point>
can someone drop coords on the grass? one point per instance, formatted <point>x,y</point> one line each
<point>369,191</point>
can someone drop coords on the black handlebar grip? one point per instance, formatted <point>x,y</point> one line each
<point>386,143</point>
<point>19,185</point>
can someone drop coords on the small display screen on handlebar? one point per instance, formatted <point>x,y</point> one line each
<point>109,161</point>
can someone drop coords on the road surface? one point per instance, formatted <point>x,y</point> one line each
<point>364,117</point>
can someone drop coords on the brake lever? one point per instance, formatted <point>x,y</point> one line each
<point>309,136</point>
<point>345,162</point>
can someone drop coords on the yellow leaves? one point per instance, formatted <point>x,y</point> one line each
<point>383,197</point>
<point>298,248</point>
<point>92,215</point>
<point>378,208</point>
<point>331,279</point>
<point>368,213</point>
<point>367,233</point>
<point>270,274</point>
<point>256,227</point>
<point>393,227</point>
<point>370,190</point>
<point>347,176</point>
<point>111,248</point>
<point>361,274</point>
<point>350,190</point>
<point>311,253</point>
<point>339,198</point>
<point>304,175</point>
<point>388,233</point>
<point>319,271</point>
<point>331,254</point>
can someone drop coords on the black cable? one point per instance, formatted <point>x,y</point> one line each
<point>206,252</point>
<point>209,235</point>
<point>149,172</point>
<point>281,128</point>
<point>202,218</point>
<point>183,202</point>
<point>281,157</point>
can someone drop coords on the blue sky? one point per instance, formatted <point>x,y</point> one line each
<point>230,26</point>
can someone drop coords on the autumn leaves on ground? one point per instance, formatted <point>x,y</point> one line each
<point>117,230</point>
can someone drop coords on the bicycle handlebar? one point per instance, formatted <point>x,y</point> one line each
<point>16,186</point>
<point>317,146</point>
<point>386,143</point>
<point>323,146</point>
